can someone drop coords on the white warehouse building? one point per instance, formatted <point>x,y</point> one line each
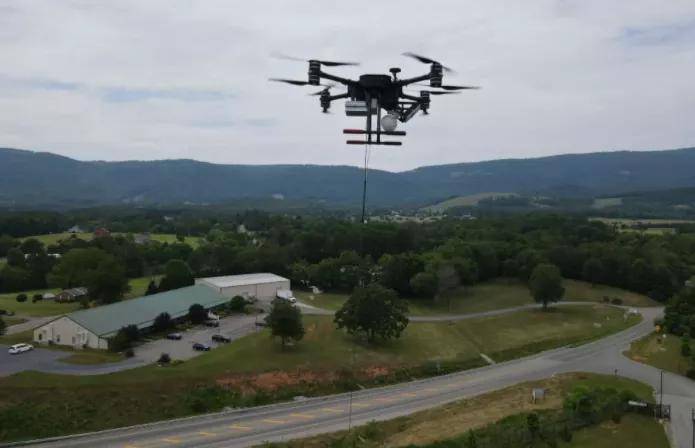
<point>93,327</point>
<point>260,286</point>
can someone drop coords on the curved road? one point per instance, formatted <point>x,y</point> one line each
<point>285,421</point>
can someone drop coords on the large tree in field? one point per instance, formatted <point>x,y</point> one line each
<point>375,311</point>
<point>108,282</point>
<point>177,274</point>
<point>593,271</point>
<point>546,284</point>
<point>285,321</point>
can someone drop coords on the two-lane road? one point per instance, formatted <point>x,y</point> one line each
<point>325,414</point>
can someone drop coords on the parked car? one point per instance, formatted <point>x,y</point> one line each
<point>221,338</point>
<point>212,323</point>
<point>20,348</point>
<point>201,347</point>
<point>175,336</point>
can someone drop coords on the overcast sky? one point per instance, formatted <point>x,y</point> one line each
<point>144,79</point>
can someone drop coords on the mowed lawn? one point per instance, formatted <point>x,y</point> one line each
<point>8,301</point>
<point>632,431</point>
<point>661,353</point>
<point>491,295</point>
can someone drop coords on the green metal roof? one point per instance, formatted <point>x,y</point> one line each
<point>108,319</point>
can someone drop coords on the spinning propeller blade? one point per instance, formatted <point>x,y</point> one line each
<point>452,87</point>
<point>326,63</point>
<point>426,60</point>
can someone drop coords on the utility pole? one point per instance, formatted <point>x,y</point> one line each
<point>692,417</point>
<point>661,393</point>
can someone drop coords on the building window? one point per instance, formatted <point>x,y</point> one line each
<point>57,338</point>
<point>40,336</point>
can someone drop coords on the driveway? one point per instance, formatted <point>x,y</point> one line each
<point>33,360</point>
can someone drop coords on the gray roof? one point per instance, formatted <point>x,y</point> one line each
<point>226,281</point>
<point>108,319</point>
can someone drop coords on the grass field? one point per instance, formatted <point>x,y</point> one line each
<point>150,393</point>
<point>457,418</point>
<point>632,431</point>
<point>470,200</point>
<point>492,295</point>
<point>50,308</point>
<point>54,238</point>
<point>664,355</point>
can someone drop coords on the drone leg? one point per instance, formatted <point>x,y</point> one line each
<point>378,121</point>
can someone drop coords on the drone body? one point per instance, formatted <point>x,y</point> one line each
<point>371,93</point>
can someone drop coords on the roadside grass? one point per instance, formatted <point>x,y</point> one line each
<point>11,339</point>
<point>92,357</point>
<point>665,355</point>
<point>11,320</point>
<point>152,393</point>
<point>632,431</point>
<point>455,419</point>
<point>326,300</point>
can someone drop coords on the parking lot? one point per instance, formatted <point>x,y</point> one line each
<point>233,327</point>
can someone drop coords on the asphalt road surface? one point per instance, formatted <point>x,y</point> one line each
<point>286,421</point>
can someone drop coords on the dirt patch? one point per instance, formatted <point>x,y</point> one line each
<point>275,380</point>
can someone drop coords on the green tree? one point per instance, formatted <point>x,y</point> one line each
<point>151,288</point>
<point>162,322</point>
<point>177,274</point>
<point>15,258</point>
<point>108,282</point>
<point>685,345</point>
<point>375,311</point>
<point>425,284</point>
<point>21,298</point>
<point>3,327</point>
<point>592,271</point>
<point>546,284</point>
<point>197,313</point>
<point>76,266</point>
<point>285,321</point>
<point>471,440</point>
<point>237,304</point>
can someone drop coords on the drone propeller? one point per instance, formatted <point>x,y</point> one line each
<point>294,82</point>
<point>439,92</point>
<point>320,92</point>
<point>326,63</point>
<point>453,87</point>
<point>426,60</point>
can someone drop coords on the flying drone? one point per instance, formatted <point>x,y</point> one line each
<point>367,96</point>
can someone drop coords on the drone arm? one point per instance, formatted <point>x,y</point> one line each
<point>405,82</point>
<point>339,96</point>
<point>336,78</point>
<point>411,98</point>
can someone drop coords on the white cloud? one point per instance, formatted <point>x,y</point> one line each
<point>557,76</point>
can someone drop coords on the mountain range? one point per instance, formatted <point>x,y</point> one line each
<point>46,180</point>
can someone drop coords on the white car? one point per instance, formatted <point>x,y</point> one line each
<point>20,348</point>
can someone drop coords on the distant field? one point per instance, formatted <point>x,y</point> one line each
<point>54,238</point>
<point>606,202</point>
<point>634,222</point>
<point>491,295</point>
<point>470,200</point>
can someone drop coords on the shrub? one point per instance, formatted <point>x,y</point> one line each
<point>3,312</point>
<point>617,301</point>
<point>21,298</point>
<point>197,314</point>
<point>37,297</point>
<point>690,373</point>
<point>162,322</point>
<point>566,434</point>
<point>129,353</point>
<point>164,358</point>
<point>685,346</point>
<point>606,299</point>
<point>237,304</point>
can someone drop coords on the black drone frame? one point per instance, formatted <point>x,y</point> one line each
<point>374,92</point>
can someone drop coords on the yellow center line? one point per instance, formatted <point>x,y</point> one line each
<point>337,411</point>
<point>304,416</point>
<point>273,421</point>
<point>207,434</point>
<point>241,427</point>
<point>408,394</point>
<point>359,405</point>
<point>171,440</point>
